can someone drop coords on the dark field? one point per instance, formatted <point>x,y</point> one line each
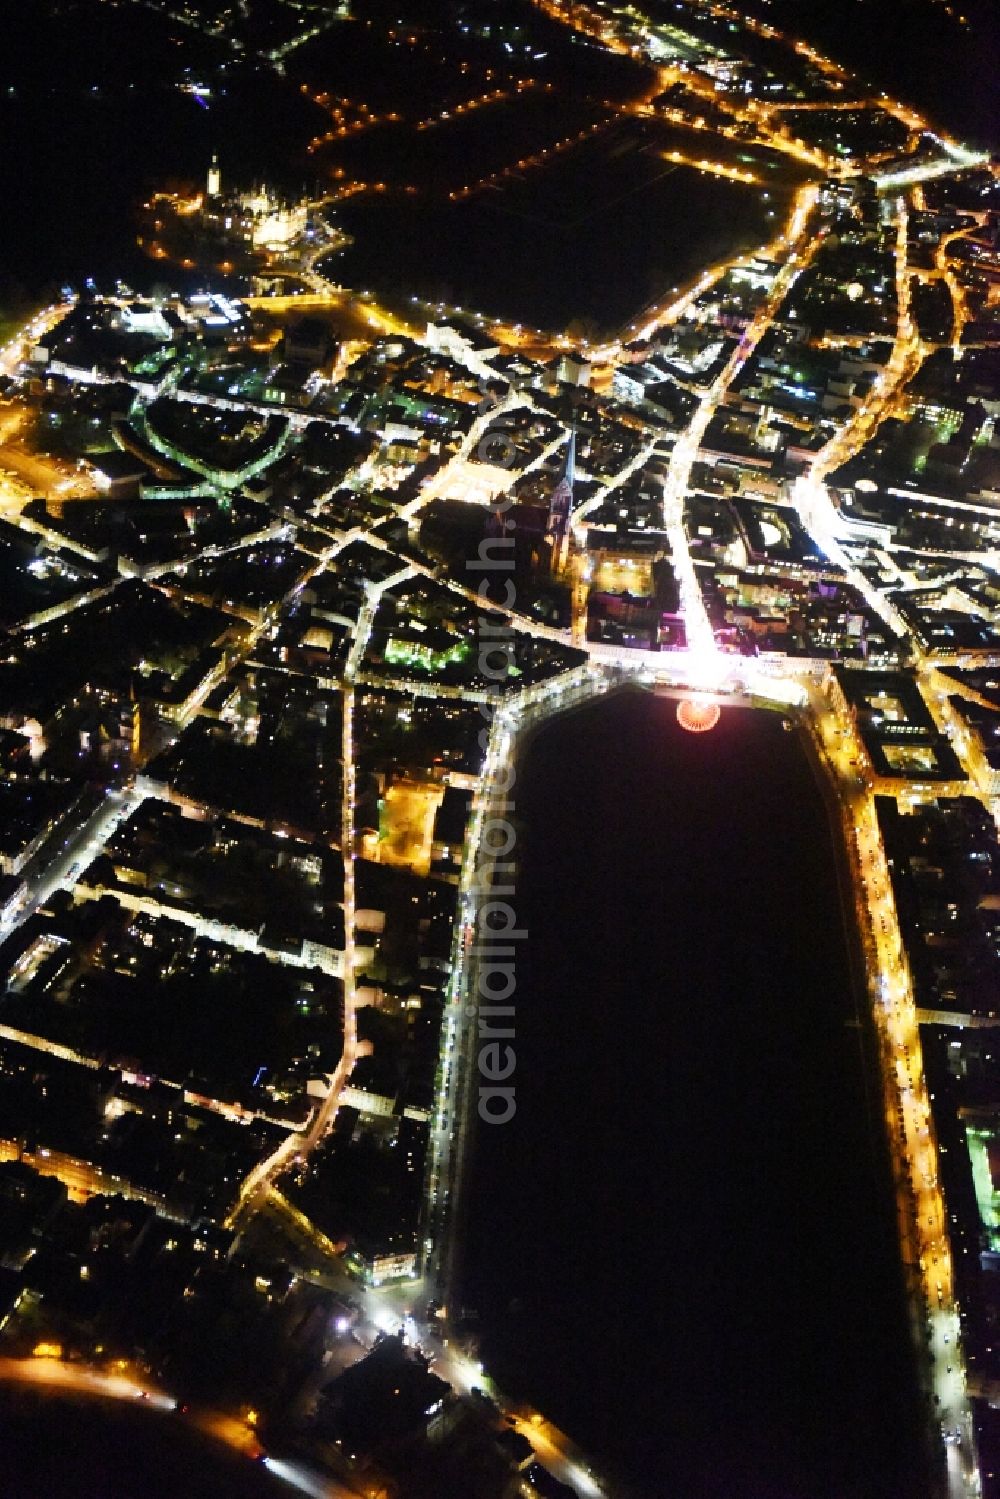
<point>59,1447</point>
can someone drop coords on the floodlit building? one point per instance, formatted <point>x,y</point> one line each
<point>213,185</point>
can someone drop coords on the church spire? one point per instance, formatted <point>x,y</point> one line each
<point>561,507</point>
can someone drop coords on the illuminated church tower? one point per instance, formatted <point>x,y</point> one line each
<point>214,183</point>
<point>560,510</point>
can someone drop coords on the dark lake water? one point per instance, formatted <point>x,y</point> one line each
<point>72,171</point>
<point>683,1246</point>
<point>522,258</point>
<point>59,1447</point>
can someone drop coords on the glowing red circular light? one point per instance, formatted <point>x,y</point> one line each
<point>697,717</point>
